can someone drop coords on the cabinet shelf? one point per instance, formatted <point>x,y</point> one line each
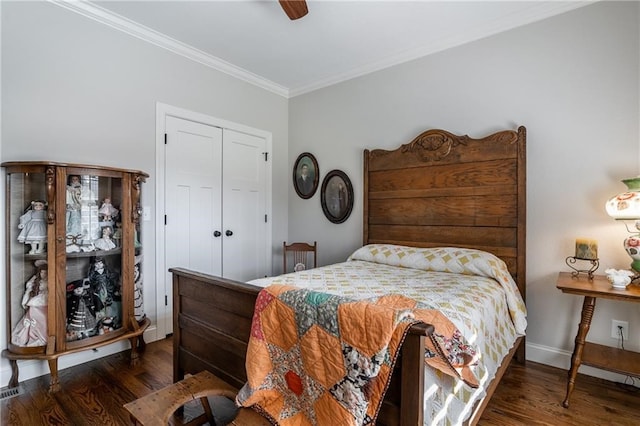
<point>61,302</point>
<point>97,253</point>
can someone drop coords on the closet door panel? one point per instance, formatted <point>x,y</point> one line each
<point>244,206</point>
<point>193,199</point>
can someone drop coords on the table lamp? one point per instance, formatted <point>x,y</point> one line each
<point>626,207</point>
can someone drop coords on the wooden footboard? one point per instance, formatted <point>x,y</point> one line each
<point>211,326</point>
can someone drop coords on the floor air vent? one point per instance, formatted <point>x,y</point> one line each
<point>10,393</point>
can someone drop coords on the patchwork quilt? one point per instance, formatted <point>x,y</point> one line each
<point>320,359</point>
<point>472,288</point>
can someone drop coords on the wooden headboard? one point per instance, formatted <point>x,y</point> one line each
<point>443,189</point>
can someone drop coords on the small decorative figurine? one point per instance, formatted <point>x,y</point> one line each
<point>117,234</point>
<point>105,242</point>
<point>107,211</point>
<point>32,328</point>
<point>33,227</point>
<point>619,279</point>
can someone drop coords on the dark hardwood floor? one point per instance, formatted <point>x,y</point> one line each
<point>94,393</point>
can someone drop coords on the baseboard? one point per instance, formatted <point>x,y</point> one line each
<point>562,359</point>
<point>34,368</point>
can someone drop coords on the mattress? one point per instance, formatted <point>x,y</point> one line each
<point>472,288</point>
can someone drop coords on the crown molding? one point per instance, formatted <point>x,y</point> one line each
<point>535,13</point>
<point>156,38</point>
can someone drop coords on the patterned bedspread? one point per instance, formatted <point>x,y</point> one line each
<point>471,288</point>
<point>320,359</point>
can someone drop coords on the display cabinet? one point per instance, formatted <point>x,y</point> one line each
<point>73,261</point>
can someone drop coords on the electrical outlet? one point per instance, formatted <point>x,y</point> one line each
<point>615,331</point>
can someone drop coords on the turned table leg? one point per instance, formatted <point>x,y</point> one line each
<point>588,306</point>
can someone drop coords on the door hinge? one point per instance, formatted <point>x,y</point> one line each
<point>266,156</point>
<point>265,218</point>
<point>165,138</point>
<point>165,219</point>
<point>166,300</point>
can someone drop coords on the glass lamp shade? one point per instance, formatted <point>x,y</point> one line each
<point>626,206</point>
<point>632,246</point>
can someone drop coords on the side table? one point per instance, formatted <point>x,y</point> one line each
<point>599,356</point>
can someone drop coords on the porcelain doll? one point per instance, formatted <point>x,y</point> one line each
<point>33,227</point>
<point>117,234</point>
<point>104,285</point>
<point>107,211</point>
<point>82,306</point>
<point>31,330</point>
<point>105,242</point>
<point>82,210</point>
<point>74,203</point>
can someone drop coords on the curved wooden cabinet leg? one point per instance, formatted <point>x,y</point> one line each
<point>588,307</point>
<point>142,345</point>
<point>54,385</point>
<point>135,356</point>
<point>13,382</point>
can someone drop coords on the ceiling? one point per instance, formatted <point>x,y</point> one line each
<point>337,40</point>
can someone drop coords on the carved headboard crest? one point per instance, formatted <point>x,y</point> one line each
<point>434,145</point>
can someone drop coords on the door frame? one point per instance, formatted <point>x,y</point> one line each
<point>164,318</point>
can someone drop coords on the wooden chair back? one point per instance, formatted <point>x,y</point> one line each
<point>300,254</point>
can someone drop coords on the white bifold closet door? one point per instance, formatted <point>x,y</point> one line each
<point>215,201</point>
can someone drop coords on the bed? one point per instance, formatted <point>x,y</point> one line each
<point>439,190</point>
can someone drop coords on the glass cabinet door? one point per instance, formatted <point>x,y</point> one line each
<point>28,292</point>
<point>93,252</point>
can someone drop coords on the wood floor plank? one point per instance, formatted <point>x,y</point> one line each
<point>533,394</point>
<point>94,394</point>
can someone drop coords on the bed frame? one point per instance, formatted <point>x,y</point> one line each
<point>438,190</point>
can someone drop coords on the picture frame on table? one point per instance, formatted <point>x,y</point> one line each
<point>336,196</point>
<point>306,175</point>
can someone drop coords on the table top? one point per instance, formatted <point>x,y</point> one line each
<point>599,287</point>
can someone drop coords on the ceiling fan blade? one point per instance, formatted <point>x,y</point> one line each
<point>295,9</point>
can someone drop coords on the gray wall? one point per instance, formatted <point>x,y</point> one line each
<point>81,92</point>
<point>572,80</point>
<point>74,90</point>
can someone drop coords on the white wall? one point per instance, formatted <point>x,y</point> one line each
<point>572,80</point>
<point>81,92</point>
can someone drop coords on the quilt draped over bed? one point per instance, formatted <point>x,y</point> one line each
<point>319,359</point>
<point>471,288</point>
